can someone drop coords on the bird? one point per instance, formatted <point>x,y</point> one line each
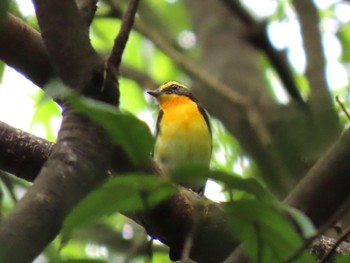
<point>183,132</point>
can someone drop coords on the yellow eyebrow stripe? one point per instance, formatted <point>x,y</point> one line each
<point>169,83</point>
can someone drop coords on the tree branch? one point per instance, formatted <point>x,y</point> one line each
<point>238,100</point>
<point>17,40</point>
<point>115,57</point>
<point>72,170</point>
<point>81,156</point>
<point>22,154</point>
<point>315,70</point>
<point>320,101</point>
<point>172,205</point>
<point>72,62</point>
<point>326,183</point>
<point>257,33</point>
<point>87,9</point>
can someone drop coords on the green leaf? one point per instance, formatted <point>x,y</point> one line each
<point>267,235</point>
<point>2,70</point>
<point>343,259</point>
<point>46,110</point>
<point>124,129</point>
<point>193,173</point>
<point>126,193</point>
<point>304,223</point>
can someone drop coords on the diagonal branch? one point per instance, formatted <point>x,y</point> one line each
<point>62,182</point>
<point>309,21</point>
<point>17,40</point>
<point>115,57</point>
<point>321,101</point>
<point>258,36</point>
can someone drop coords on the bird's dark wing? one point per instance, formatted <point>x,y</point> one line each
<point>205,116</point>
<point>159,119</point>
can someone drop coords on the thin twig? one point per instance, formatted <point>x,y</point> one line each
<point>342,107</point>
<point>120,41</point>
<point>335,246</point>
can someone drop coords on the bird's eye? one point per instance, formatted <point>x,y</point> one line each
<point>174,87</point>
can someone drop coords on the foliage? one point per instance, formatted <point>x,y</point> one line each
<point>343,259</point>
<point>256,217</point>
<point>124,129</point>
<point>125,193</point>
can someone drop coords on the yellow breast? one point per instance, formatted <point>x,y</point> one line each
<point>184,136</point>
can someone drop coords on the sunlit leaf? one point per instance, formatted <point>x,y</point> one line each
<point>123,128</point>
<point>123,193</point>
<point>344,38</point>
<point>45,111</point>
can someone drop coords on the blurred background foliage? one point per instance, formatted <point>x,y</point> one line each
<point>114,237</point>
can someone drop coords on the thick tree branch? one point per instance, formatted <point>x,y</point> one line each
<point>81,156</point>
<point>22,48</point>
<point>173,204</point>
<point>72,170</point>
<point>326,183</point>
<point>87,10</point>
<point>171,221</point>
<point>73,63</point>
<point>21,153</point>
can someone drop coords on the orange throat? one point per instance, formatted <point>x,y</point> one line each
<point>169,101</point>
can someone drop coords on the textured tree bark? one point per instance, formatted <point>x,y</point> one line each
<point>21,153</point>
<point>81,157</point>
<point>72,170</point>
<point>17,40</point>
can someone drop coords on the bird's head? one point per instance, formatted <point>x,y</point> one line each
<point>171,91</point>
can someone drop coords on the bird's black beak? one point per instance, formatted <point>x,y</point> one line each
<point>154,93</point>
